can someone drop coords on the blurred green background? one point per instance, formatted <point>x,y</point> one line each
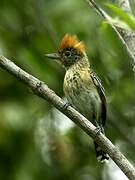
<point>36,141</point>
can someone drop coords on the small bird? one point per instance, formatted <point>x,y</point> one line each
<point>81,86</point>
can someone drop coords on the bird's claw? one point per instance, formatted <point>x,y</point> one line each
<point>66,105</point>
<point>98,130</point>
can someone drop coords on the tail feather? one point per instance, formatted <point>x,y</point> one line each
<point>100,154</point>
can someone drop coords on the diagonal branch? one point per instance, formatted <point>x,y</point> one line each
<point>126,36</point>
<point>42,90</point>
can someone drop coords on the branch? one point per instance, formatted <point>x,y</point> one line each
<point>42,90</point>
<point>124,4</point>
<point>126,36</point>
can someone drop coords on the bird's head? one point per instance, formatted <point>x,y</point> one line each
<point>70,51</point>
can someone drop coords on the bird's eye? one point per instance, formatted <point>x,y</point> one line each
<point>76,57</point>
<point>67,53</point>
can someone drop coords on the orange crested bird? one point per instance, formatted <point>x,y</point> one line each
<point>82,87</point>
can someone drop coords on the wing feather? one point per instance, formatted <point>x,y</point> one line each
<point>101,92</point>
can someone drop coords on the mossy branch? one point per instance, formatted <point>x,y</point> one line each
<point>43,91</point>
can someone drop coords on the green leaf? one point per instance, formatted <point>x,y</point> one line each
<point>122,15</point>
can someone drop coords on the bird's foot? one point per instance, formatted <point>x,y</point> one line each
<point>98,130</point>
<point>66,105</point>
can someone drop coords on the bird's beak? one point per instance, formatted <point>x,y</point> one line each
<point>53,56</point>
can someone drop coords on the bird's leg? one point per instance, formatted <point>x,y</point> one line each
<point>98,129</point>
<point>102,129</point>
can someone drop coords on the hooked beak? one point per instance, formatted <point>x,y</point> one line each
<point>53,56</point>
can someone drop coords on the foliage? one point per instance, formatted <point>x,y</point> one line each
<point>37,142</point>
<point>124,17</point>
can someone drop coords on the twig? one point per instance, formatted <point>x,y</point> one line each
<point>127,37</point>
<point>97,8</point>
<point>42,90</point>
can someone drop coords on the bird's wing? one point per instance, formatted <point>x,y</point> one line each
<point>101,92</point>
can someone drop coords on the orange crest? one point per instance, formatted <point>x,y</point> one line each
<point>71,41</point>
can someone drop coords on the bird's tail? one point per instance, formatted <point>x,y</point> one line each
<point>100,154</point>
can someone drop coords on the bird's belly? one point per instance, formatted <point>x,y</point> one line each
<point>85,100</point>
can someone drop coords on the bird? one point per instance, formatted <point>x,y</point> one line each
<point>82,87</point>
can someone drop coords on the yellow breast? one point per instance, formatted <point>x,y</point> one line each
<point>76,79</point>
